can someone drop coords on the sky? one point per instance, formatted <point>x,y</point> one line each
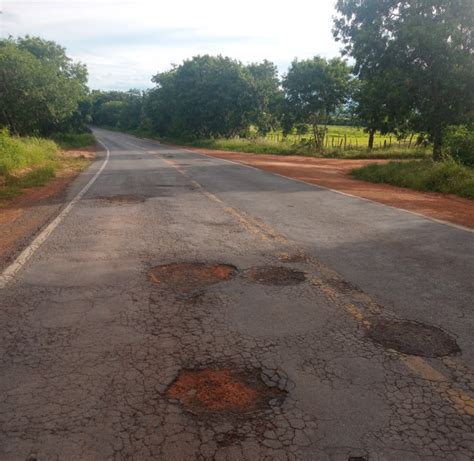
<point>125,42</point>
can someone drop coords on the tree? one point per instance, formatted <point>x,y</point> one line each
<point>267,96</point>
<point>425,47</point>
<point>40,87</point>
<point>314,88</point>
<point>382,104</point>
<point>131,113</point>
<point>205,96</point>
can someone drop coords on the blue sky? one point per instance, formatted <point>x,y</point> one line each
<point>125,42</point>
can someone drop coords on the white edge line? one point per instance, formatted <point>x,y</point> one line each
<point>9,273</point>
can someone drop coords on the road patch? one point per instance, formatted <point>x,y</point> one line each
<point>276,275</point>
<point>189,276</point>
<point>412,338</point>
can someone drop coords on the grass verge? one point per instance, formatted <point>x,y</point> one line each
<point>31,162</point>
<point>447,177</point>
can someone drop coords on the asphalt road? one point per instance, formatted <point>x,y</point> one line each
<point>300,353</point>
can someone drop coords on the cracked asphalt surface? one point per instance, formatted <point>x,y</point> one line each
<point>90,345</point>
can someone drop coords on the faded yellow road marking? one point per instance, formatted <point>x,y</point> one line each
<point>251,224</point>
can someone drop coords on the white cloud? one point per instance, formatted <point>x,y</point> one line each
<point>125,42</point>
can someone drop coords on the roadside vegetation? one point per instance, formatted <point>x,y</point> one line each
<point>74,140</point>
<point>267,145</point>
<point>25,162</point>
<point>448,177</point>
<point>44,105</point>
<point>31,162</point>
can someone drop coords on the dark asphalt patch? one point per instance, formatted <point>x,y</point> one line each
<point>224,391</point>
<point>123,199</point>
<point>191,276</point>
<point>276,275</point>
<point>412,338</point>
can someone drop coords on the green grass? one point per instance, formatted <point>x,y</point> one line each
<point>35,178</point>
<point>74,140</point>
<point>349,136</point>
<point>33,162</point>
<point>266,146</point>
<point>256,146</point>
<point>448,177</point>
<point>18,154</point>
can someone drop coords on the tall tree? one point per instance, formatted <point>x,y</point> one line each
<point>381,103</point>
<point>425,46</point>
<point>40,87</point>
<point>267,95</point>
<point>203,97</point>
<point>314,89</point>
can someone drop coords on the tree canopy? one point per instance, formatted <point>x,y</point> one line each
<point>314,89</point>
<point>40,87</point>
<point>423,49</point>
<point>203,97</point>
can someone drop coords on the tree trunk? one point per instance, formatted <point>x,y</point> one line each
<point>316,135</point>
<point>371,138</point>
<point>437,145</point>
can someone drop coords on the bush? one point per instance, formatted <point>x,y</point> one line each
<point>460,144</point>
<point>74,140</point>
<point>447,177</point>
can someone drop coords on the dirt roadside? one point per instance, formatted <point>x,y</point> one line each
<point>25,215</point>
<point>333,174</point>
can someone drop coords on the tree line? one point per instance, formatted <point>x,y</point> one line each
<point>410,69</point>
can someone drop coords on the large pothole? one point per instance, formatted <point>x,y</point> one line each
<point>191,276</point>
<point>224,391</point>
<point>276,275</point>
<point>412,338</point>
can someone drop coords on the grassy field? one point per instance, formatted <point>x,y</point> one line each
<point>448,177</point>
<point>30,162</point>
<point>341,142</point>
<point>267,146</point>
<point>348,137</point>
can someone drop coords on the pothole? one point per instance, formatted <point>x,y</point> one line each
<point>191,276</point>
<point>223,391</point>
<point>412,338</point>
<point>123,199</point>
<point>276,275</point>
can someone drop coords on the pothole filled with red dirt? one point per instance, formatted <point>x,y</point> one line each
<point>223,391</point>
<point>412,338</point>
<point>123,199</point>
<point>275,275</point>
<point>191,276</point>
